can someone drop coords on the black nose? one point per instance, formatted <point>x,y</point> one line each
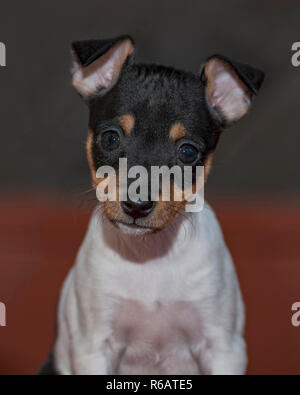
<point>137,209</point>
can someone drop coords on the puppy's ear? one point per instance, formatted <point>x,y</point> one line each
<point>97,64</point>
<point>230,87</point>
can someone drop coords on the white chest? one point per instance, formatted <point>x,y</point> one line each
<point>157,338</point>
<point>146,315</point>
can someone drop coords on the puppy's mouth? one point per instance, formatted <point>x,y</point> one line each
<point>133,228</point>
<point>154,221</point>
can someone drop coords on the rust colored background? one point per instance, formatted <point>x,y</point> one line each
<point>39,240</point>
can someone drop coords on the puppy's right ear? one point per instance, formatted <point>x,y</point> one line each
<point>97,64</point>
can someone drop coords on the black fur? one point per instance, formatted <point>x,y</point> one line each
<point>48,369</point>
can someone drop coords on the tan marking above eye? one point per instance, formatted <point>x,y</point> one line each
<point>126,122</point>
<point>177,131</point>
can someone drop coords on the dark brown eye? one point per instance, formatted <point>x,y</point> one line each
<point>188,154</point>
<point>110,140</point>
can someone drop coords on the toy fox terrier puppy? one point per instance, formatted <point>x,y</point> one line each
<point>153,290</point>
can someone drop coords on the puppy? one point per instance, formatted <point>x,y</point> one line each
<point>153,289</point>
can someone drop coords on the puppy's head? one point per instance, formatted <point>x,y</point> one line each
<point>155,116</point>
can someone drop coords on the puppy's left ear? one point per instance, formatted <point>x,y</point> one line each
<point>97,64</point>
<point>230,87</point>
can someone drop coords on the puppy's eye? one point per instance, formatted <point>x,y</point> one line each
<point>187,154</point>
<point>110,140</point>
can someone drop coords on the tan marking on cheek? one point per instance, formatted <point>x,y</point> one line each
<point>199,183</point>
<point>208,165</point>
<point>126,122</point>
<point>112,209</point>
<point>177,131</point>
<point>164,213</point>
<point>177,194</point>
<point>89,144</point>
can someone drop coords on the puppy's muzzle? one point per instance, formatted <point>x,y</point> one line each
<point>137,209</point>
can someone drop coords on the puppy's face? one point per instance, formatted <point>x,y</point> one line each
<point>155,116</point>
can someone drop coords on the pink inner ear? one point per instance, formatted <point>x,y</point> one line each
<point>226,93</point>
<point>103,73</point>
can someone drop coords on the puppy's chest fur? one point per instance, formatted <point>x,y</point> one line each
<point>156,335</point>
<point>152,321</point>
<point>151,315</point>
<point>147,317</point>
<point>158,323</point>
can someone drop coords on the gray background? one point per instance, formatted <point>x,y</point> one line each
<point>44,124</point>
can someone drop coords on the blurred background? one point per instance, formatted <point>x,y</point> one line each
<point>254,186</point>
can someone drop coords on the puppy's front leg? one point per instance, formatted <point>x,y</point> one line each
<point>229,358</point>
<point>83,357</point>
<point>83,344</point>
<point>92,364</point>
